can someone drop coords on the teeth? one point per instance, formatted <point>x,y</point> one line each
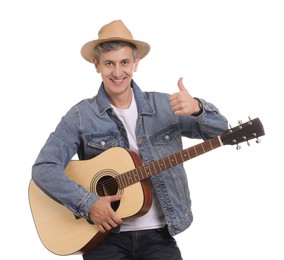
<point>117,80</point>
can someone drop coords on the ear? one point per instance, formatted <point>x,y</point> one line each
<point>136,62</point>
<point>97,66</point>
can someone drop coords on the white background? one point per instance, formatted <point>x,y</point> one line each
<point>229,52</point>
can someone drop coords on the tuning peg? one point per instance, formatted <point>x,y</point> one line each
<point>240,124</point>
<point>257,139</point>
<point>248,143</point>
<point>238,147</point>
<point>230,129</point>
<point>250,122</point>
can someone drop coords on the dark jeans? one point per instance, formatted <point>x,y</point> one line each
<point>155,244</point>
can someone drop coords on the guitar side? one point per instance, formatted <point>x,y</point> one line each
<point>58,228</point>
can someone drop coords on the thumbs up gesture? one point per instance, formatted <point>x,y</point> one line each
<point>182,103</point>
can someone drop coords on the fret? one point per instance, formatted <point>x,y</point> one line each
<point>167,162</point>
<point>195,151</point>
<point>198,149</point>
<point>179,157</point>
<point>186,155</point>
<point>216,142</point>
<point>141,172</point>
<point>147,172</point>
<point>157,167</point>
<point>135,175</point>
<point>209,141</point>
<point>174,159</point>
<point>192,153</point>
<point>162,165</point>
<point>202,146</point>
<point>128,178</point>
<point>207,146</point>
<point>119,183</point>
<point>122,181</point>
<point>152,169</point>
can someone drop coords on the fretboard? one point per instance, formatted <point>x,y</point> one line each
<point>151,168</point>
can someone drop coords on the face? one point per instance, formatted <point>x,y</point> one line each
<point>116,68</point>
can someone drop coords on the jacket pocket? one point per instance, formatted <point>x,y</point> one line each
<point>98,143</point>
<point>165,136</point>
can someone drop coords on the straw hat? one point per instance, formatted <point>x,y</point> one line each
<point>114,31</point>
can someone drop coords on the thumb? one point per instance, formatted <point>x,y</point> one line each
<point>180,85</point>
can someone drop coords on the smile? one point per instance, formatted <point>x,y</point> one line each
<point>117,80</point>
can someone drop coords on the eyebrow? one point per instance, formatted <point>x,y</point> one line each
<point>112,61</point>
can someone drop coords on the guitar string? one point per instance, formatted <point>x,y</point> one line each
<point>142,171</point>
<point>112,184</point>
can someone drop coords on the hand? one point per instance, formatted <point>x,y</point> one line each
<point>103,215</point>
<point>182,102</point>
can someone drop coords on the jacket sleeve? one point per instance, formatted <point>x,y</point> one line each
<point>208,124</point>
<point>48,170</point>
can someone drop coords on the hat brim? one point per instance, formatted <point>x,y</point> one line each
<point>87,50</point>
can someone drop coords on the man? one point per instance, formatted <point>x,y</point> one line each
<point>150,124</point>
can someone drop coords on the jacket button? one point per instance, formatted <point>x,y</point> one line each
<point>167,137</point>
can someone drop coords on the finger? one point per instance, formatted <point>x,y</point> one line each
<point>173,96</point>
<point>180,85</point>
<point>106,226</point>
<point>175,105</point>
<point>101,228</point>
<point>115,219</point>
<point>115,198</point>
<point>174,101</point>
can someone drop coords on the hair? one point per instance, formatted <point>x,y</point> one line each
<point>113,45</point>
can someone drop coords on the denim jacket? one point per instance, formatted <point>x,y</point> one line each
<point>91,127</point>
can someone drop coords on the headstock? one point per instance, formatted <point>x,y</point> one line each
<point>243,133</point>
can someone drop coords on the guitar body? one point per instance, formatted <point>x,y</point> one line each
<point>58,228</point>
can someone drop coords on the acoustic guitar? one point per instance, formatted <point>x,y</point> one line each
<point>115,171</point>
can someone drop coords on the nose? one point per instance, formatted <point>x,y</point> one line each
<point>117,71</point>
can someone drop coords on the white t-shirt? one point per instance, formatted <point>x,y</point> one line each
<point>154,218</point>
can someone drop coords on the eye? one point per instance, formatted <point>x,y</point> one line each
<point>125,62</point>
<point>108,63</point>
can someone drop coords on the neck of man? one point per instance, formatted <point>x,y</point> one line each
<point>122,101</point>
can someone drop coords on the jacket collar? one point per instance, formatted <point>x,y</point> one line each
<point>143,105</point>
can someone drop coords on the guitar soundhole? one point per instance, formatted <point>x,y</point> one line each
<point>107,186</point>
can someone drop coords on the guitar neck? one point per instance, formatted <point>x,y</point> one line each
<point>151,168</point>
